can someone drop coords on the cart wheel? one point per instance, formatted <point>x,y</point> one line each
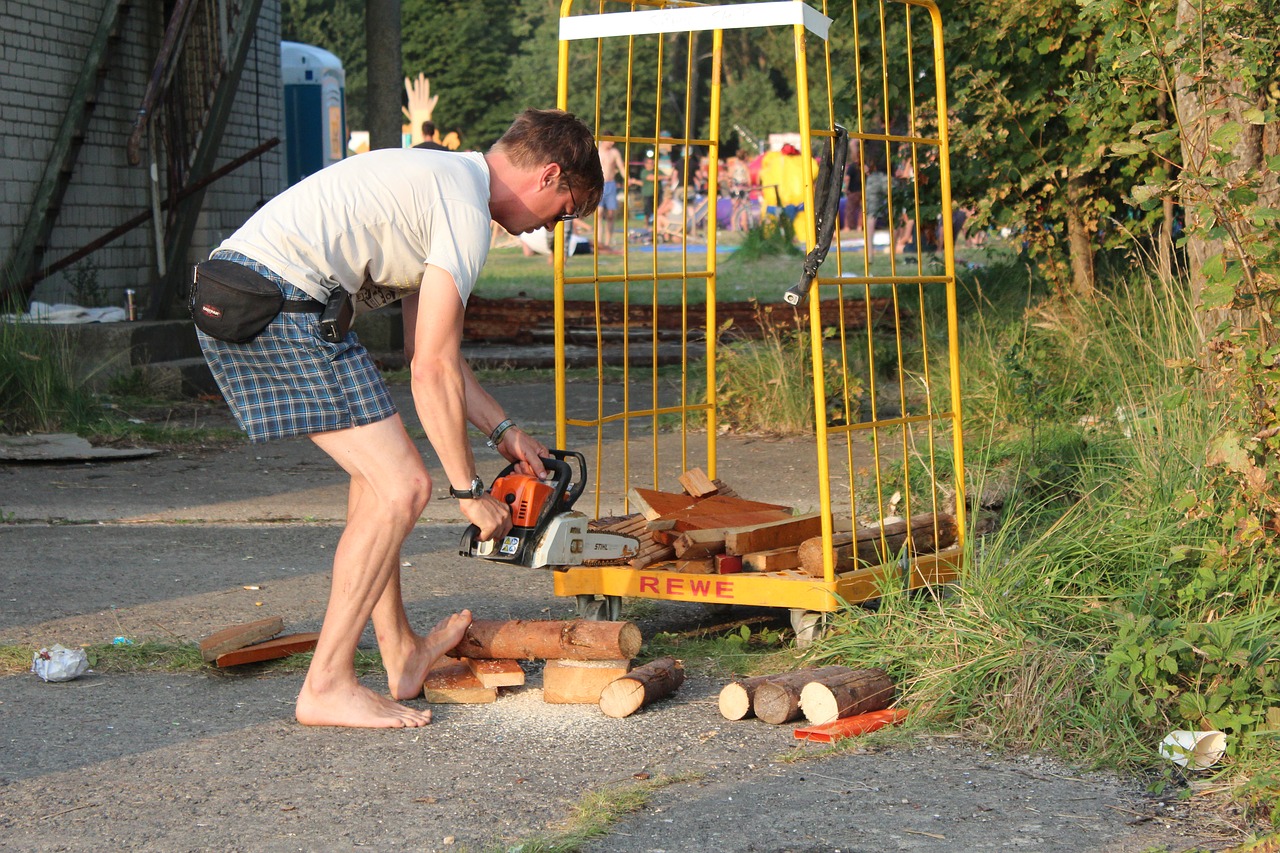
<point>606,608</point>
<point>808,625</point>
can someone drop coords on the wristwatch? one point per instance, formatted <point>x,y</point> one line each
<point>476,490</point>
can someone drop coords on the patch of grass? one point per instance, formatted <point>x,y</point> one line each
<point>725,649</point>
<point>594,815</point>
<point>37,393</point>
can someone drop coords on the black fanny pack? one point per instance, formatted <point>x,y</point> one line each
<point>233,303</point>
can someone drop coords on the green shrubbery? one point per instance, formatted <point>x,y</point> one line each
<point>1106,609</point>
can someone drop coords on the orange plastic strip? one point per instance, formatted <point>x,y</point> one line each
<point>852,726</point>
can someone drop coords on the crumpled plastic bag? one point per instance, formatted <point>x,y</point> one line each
<point>58,663</point>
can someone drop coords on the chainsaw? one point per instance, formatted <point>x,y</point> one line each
<point>545,529</point>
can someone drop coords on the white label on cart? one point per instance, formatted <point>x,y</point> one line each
<point>510,545</point>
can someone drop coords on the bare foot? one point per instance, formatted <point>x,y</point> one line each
<point>406,672</point>
<point>352,704</point>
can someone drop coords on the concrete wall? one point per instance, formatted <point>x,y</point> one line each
<point>43,44</point>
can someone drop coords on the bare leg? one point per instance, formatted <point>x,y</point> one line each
<point>392,491</point>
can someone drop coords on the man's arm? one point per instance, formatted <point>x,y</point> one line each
<point>432,341</point>
<point>483,411</point>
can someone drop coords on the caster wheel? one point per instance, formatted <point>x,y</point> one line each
<point>808,625</point>
<point>606,608</point>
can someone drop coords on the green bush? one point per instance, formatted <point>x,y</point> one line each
<point>1100,615</point>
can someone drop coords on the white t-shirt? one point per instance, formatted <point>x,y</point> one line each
<point>372,222</point>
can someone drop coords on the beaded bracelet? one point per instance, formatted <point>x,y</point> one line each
<point>500,430</point>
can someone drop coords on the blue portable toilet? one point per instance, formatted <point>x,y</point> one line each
<point>315,116</point>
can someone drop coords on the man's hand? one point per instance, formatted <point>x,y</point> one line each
<point>491,515</point>
<point>526,451</point>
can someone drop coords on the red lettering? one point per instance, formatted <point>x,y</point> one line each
<point>724,589</point>
<point>649,583</point>
<point>675,586</point>
<point>701,587</point>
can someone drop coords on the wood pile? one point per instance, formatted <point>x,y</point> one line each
<point>586,663</point>
<point>709,529</point>
<point>823,695</point>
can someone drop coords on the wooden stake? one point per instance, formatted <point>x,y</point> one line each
<point>846,695</point>
<point>777,699</point>
<point>578,639</point>
<point>642,686</point>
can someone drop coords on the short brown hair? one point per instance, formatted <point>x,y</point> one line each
<point>538,137</point>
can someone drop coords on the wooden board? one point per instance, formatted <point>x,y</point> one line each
<point>775,560</point>
<point>239,636</point>
<point>780,534</point>
<point>453,684</point>
<point>696,483</point>
<point>496,673</point>
<point>656,504</point>
<point>566,682</point>
<point>280,647</point>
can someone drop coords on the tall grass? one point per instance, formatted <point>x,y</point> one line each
<point>1085,625</point>
<point>38,392</point>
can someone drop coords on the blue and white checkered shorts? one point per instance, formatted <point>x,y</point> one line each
<point>290,381</point>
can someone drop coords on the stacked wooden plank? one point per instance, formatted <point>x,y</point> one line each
<point>709,529</point>
<point>253,642</point>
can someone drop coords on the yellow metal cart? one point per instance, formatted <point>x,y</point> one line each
<point>888,419</point>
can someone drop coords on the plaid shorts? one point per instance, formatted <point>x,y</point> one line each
<point>290,381</point>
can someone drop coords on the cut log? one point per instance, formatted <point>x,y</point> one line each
<point>864,546</point>
<point>776,560</point>
<point>280,647</point>
<point>777,699</point>
<point>496,673</point>
<point>834,697</point>
<point>239,636</point>
<point>736,697</point>
<point>778,534</point>
<point>453,683</point>
<point>577,639</point>
<point>642,686</point>
<point>696,483</point>
<point>579,682</point>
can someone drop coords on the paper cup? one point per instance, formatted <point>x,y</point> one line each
<point>1197,750</point>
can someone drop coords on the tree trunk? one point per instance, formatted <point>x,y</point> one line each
<point>549,640</point>
<point>642,686</point>
<point>386,73</point>
<point>1079,240</point>
<point>737,698</point>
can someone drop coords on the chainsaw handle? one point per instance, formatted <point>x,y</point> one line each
<point>562,498</point>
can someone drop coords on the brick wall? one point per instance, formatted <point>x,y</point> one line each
<point>43,44</point>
